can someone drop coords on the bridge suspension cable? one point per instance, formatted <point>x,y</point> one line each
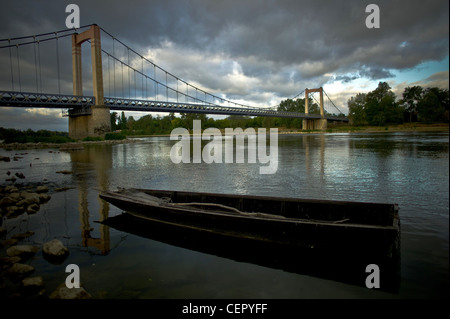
<point>340,112</point>
<point>162,81</point>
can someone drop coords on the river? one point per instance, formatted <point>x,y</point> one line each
<point>410,169</point>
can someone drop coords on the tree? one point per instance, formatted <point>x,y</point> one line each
<point>113,116</point>
<point>411,98</point>
<point>357,111</point>
<point>381,108</point>
<point>290,105</point>
<point>130,123</point>
<point>433,105</point>
<point>122,121</point>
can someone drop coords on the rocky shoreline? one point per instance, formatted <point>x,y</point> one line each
<point>15,268</point>
<point>72,146</point>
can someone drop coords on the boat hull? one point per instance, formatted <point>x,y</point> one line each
<point>330,226</point>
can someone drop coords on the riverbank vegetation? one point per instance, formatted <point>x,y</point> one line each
<point>381,107</point>
<point>9,135</point>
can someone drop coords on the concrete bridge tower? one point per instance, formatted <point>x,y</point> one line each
<point>319,123</point>
<point>96,120</point>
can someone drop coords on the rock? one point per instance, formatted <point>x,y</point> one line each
<point>64,172</point>
<point>22,251</point>
<point>11,189</point>
<point>7,201</point>
<point>33,281</point>
<point>23,235</point>
<point>14,211</point>
<point>33,286</point>
<point>44,198</point>
<point>54,251</point>
<point>33,209</point>
<point>2,232</point>
<point>4,158</point>
<point>42,189</point>
<point>28,199</point>
<point>63,189</point>
<point>62,292</point>
<point>20,175</point>
<point>20,270</point>
<point>9,261</point>
<point>14,196</point>
<point>8,242</point>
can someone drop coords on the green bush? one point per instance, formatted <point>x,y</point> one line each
<point>115,136</point>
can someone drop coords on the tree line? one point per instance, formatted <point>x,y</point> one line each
<point>151,125</point>
<point>154,125</point>
<point>10,135</point>
<point>417,104</point>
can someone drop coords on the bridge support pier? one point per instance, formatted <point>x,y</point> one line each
<point>319,123</point>
<point>314,124</point>
<point>97,122</point>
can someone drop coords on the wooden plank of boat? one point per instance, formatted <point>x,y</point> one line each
<point>370,227</point>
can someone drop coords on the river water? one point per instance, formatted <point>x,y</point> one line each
<point>410,169</point>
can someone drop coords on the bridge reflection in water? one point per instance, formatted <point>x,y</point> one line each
<point>100,159</point>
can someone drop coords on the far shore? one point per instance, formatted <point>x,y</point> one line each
<point>408,127</point>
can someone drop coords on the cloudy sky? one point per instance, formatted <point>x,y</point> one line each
<point>254,52</point>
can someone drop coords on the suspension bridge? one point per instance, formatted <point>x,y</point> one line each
<point>32,66</point>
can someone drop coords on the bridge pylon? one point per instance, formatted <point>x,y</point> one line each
<point>96,120</point>
<point>319,123</point>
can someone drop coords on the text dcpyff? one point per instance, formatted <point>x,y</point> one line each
<point>222,146</point>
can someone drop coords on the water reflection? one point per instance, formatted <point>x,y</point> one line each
<point>408,169</point>
<point>93,161</point>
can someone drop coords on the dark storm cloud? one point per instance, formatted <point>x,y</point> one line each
<point>262,49</point>
<point>279,32</point>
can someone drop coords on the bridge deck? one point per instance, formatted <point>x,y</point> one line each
<point>80,105</point>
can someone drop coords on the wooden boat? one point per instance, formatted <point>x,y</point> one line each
<point>325,238</point>
<point>315,224</point>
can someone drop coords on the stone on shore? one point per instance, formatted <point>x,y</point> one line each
<point>9,261</point>
<point>22,251</point>
<point>42,189</point>
<point>20,270</point>
<point>23,235</point>
<point>33,286</point>
<point>54,251</point>
<point>44,198</point>
<point>62,292</point>
<point>28,199</point>
<point>32,209</point>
